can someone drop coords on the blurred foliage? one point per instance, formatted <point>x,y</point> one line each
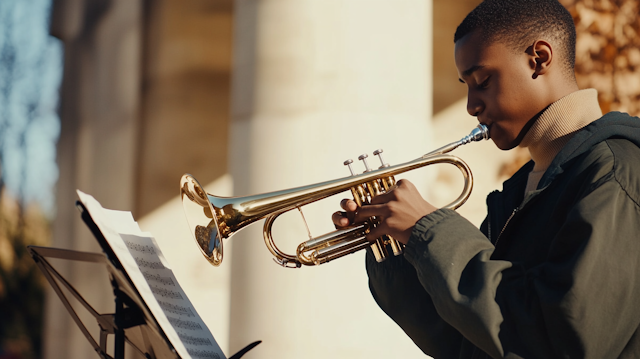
<point>30,75</point>
<point>607,58</point>
<point>30,68</point>
<point>21,283</point>
<point>608,51</point>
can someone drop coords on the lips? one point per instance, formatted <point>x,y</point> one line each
<point>489,130</point>
<point>486,123</point>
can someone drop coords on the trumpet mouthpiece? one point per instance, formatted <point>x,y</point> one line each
<point>480,133</point>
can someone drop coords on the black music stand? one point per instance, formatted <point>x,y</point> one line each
<point>132,321</point>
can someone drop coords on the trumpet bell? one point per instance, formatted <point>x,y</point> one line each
<point>201,217</point>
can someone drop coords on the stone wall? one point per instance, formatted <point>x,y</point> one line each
<point>446,88</point>
<point>185,97</point>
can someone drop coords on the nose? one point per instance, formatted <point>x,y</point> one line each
<point>475,105</point>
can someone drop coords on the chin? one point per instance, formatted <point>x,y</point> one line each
<point>504,145</point>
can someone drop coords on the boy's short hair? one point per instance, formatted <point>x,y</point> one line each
<point>518,22</point>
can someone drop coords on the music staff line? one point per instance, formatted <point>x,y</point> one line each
<point>143,263</point>
<point>142,248</point>
<point>191,340</point>
<point>184,324</point>
<point>165,292</point>
<point>176,309</point>
<point>206,354</point>
<point>157,278</point>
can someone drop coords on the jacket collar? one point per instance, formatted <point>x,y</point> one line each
<point>611,125</point>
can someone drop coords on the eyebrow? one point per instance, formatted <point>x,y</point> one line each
<point>468,72</point>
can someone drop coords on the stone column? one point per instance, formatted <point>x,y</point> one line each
<point>315,83</point>
<point>96,149</point>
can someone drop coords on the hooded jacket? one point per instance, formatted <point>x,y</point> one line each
<point>553,274</point>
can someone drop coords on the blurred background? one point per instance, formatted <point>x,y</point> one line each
<point>119,98</point>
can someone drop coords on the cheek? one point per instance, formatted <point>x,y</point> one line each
<point>511,97</point>
<point>512,104</point>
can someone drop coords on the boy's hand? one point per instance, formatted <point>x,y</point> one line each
<point>343,219</point>
<point>397,210</point>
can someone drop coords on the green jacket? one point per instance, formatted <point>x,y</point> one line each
<point>552,275</point>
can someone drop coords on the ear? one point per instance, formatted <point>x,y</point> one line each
<point>540,57</point>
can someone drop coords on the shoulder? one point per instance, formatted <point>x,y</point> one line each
<point>626,157</point>
<point>612,160</point>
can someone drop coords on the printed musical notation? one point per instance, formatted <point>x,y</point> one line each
<point>180,314</point>
<point>197,353</point>
<point>167,293</point>
<point>149,264</point>
<point>157,278</point>
<point>146,266</point>
<point>194,340</point>
<point>176,309</point>
<point>141,248</point>
<point>185,324</point>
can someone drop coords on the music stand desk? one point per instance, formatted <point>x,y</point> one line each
<point>132,321</point>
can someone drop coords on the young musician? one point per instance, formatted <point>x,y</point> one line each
<point>554,270</point>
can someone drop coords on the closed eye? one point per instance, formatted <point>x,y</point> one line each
<point>484,83</point>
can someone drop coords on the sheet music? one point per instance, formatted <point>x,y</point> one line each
<point>151,274</point>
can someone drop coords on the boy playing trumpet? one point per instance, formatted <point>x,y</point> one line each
<point>553,270</point>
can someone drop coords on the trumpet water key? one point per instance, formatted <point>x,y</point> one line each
<point>214,218</point>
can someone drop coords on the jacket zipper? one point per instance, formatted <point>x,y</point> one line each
<point>491,198</point>
<point>506,224</point>
<point>489,226</point>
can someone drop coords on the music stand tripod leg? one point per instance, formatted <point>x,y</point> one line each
<point>120,338</point>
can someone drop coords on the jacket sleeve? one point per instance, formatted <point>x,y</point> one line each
<point>580,302</point>
<point>395,287</point>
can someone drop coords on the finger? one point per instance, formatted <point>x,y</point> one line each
<point>376,232</point>
<point>384,197</point>
<point>365,212</point>
<point>404,183</point>
<point>394,193</point>
<point>350,208</point>
<point>348,205</point>
<point>340,219</point>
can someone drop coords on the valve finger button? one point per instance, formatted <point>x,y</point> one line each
<point>363,158</point>
<point>348,164</point>
<point>378,153</point>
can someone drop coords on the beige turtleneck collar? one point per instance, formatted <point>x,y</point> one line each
<point>555,127</point>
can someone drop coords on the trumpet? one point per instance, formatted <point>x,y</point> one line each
<point>213,218</point>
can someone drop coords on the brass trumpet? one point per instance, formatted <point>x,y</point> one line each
<point>213,218</point>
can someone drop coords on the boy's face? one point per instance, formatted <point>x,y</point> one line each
<point>502,93</point>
